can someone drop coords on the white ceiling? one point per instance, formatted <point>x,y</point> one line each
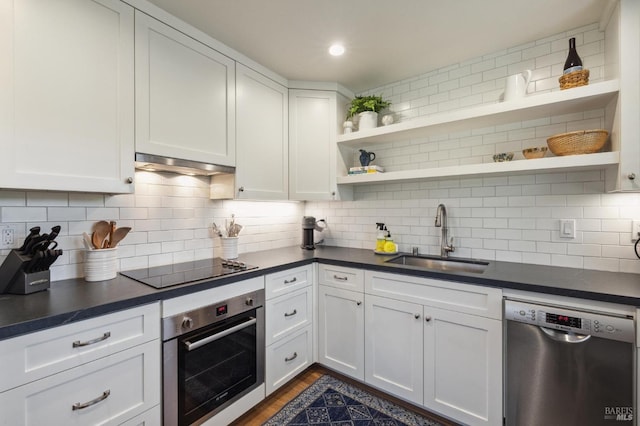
<point>386,40</point>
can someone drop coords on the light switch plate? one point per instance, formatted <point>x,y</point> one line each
<point>567,228</point>
<point>635,229</point>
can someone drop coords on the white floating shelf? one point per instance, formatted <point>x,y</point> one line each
<point>595,161</point>
<point>584,98</point>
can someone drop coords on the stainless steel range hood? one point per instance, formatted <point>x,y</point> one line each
<point>150,162</point>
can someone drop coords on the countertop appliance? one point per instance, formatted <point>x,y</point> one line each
<point>182,273</point>
<point>309,225</point>
<point>565,366</point>
<point>212,357</point>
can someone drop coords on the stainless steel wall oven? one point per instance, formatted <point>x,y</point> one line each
<point>212,357</point>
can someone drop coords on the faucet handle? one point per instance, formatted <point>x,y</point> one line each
<point>450,247</point>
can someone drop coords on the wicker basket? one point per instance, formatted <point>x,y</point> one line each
<point>574,79</point>
<point>580,142</point>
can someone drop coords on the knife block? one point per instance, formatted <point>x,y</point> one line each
<point>14,280</point>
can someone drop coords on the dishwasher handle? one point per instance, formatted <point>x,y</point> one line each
<point>565,336</point>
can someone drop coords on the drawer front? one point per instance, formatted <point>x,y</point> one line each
<point>283,282</point>
<point>34,356</point>
<point>152,417</point>
<point>288,313</point>
<point>341,277</point>
<point>107,392</point>
<point>288,357</point>
<point>460,297</point>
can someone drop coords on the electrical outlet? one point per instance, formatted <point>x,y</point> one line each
<point>7,237</point>
<point>635,230</point>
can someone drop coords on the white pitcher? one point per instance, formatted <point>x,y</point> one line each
<point>516,86</point>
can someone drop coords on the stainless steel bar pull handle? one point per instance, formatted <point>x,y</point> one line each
<point>195,345</point>
<point>81,405</point>
<point>290,314</point>
<point>292,280</point>
<point>336,277</point>
<point>78,343</point>
<point>292,357</point>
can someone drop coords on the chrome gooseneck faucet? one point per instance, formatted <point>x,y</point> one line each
<point>441,222</point>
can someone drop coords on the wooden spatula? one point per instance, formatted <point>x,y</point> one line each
<point>118,235</point>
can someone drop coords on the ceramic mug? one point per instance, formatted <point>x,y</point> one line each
<point>516,86</point>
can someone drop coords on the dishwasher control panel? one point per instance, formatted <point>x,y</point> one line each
<point>570,320</point>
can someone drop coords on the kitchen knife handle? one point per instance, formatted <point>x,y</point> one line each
<point>81,405</point>
<point>78,343</point>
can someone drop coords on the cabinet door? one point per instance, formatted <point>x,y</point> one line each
<point>66,103</point>
<point>313,126</point>
<point>341,330</point>
<point>261,135</point>
<point>185,97</point>
<point>463,366</point>
<point>628,107</point>
<point>393,347</point>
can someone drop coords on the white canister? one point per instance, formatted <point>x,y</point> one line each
<point>229,247</point>
<point>100,264</point>
<point>368,120</point>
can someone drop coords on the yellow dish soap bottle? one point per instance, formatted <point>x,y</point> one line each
<point>380,234</point>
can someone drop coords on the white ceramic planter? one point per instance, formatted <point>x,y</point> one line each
<point>368,120</point>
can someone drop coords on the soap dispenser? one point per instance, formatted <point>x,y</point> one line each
<point>381,233</point>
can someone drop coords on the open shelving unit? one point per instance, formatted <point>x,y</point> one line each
<point>585,98</point>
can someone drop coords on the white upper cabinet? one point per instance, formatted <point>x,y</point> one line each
<point>185,96</point>
<point>67,95</point>
<point>314,116</point>
<point>623,62</point>
<point>262,137</point>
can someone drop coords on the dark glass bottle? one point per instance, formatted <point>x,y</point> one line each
<point>573,62</point>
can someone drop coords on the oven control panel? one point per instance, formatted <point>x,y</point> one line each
<point>581,322</point>
<point>188,321</point>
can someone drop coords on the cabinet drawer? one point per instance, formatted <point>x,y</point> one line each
<point>152,417</point>
<point>34,356</point>
<point>460,297</point>
<point>288,357</point>
<point>292,279</point>
<point>288,313</point>
<point>341,277</point>
<point>107,392</point>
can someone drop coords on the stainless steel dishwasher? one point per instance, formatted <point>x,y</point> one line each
<point>567,367</point>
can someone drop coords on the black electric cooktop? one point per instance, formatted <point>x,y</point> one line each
<point>182,273</point>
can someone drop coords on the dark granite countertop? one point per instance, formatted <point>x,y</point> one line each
<point>76,299</point>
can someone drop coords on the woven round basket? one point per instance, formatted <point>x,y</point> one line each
<point>574,79</point>
<point>580,142</point>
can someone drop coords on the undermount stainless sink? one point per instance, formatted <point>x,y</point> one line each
<point>440,264</point>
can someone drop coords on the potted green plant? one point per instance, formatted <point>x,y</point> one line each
<point>367,109</point>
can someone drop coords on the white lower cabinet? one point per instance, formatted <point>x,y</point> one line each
<point>444,353</point>
<point>107,391</point>
<point>463,366</point>
<point>288,325</point>
<point>393,347</point>
<point>341,330</point>
<point>288,357</point>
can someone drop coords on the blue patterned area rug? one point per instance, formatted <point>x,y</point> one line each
<point>331,402</point>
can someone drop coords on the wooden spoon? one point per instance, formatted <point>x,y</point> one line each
<point>100,233</point>
<point>118,235</point>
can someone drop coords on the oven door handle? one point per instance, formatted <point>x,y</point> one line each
<point>195,345</point>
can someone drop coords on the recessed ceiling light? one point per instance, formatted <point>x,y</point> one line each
<point>336,49</point>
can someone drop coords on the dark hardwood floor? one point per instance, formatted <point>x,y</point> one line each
<point>274,402</point>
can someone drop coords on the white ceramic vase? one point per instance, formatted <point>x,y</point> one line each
<point>229,247</point>
<point>368,120</point>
